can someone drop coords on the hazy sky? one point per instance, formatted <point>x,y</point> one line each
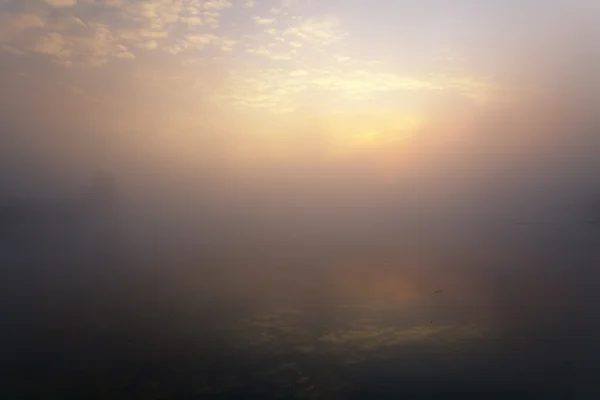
<point>255,85</point>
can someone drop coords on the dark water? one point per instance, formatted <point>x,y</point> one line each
<point>492,319</point>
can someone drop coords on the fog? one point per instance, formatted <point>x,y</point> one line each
<point>129,259</point>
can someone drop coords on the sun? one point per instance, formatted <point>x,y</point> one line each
<point>373,133</point>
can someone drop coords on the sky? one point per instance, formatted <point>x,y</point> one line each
<point>256,85</point>
<point>281,110</point>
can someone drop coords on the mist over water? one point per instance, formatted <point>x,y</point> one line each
<point>486,287</point>
<point>134,266</point>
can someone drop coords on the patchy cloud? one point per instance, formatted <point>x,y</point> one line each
<point>172,26</point>
<point>104,3</point>
<point>276,89</point>
<point>264,21</point>
<point>277,58</point>
<point>317,31</point>
<point>61,3</point>
<point>14,26</point>
<point>95,48</point>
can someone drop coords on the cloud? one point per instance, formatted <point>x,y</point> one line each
<point>298,72</point>
<point>104,3</point>
<point>292,3</point>
<point>94,49</point>
<point>66,39</point>
<point>202,39</point>
<point>156,14</point>
<point>52,44</point>
<point>162,13</point>
<point>295,40</point>
<point>277,88</point>
<point>249,4</point>
<point>166,14</point>
<point>13,26</point>
<point>171,26</point>
<point>5,48</point>
<point>227,44</point>
<point>176,27</point>
<point>217,4</point>
<point>68,23</point>
<point>263,21</point>
<point>271,53</point>
<point>22,22</point>
<point>61,3</point>
<point>99,46</point>
<point>319,31</point>
<point>343,59</point>
<point>187,31</point>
